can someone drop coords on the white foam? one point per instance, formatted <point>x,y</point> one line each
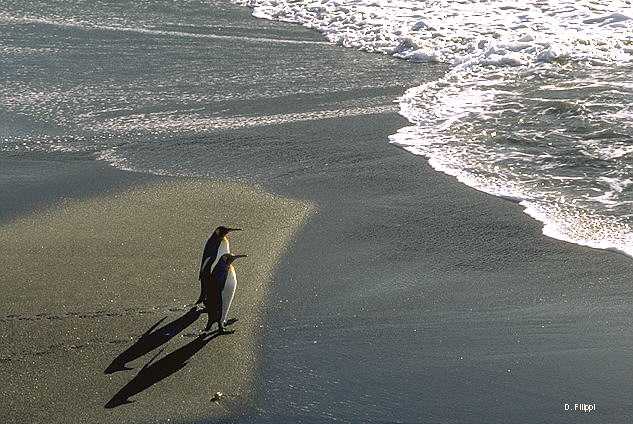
<point>165,122</point>
<point>466,31</point>
<point>81,24</point>
<point>583,228</point>
<point>485,42</point>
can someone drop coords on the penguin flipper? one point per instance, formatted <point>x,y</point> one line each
<point>210,251</point>
<point>205,269</point>
<point>201,298</point>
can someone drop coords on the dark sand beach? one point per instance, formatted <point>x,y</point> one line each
<point>376,289</point>
<point>99,276</point>
<point>97,306</point>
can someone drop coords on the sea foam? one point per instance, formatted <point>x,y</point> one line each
<point>463,32</point>
<point>535,106</point>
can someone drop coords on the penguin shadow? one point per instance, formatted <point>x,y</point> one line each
<point>153,372</point>
<point>152,339</point>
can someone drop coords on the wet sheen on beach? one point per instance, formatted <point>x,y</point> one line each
<point>376,289</point>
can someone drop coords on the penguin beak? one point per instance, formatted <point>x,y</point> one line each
<point>234,229</point>
<point>239,256</point>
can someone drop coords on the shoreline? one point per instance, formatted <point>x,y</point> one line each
<point>440,302</point>
<point>605,229</point>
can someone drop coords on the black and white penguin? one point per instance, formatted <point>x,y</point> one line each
<point>217,245</point>
<point>220,288</point>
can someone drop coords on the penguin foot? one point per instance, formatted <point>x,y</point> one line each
<point>231,321</point>
<point>223,331</point>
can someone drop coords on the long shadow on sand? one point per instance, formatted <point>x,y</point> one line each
<point>152,373</point>
<point>151,340</point>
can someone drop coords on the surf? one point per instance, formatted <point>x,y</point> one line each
<point>534,108</point>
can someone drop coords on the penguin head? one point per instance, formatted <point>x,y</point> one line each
<point>222,231</point>
<point>229,258</point>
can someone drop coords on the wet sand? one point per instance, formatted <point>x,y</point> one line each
<point>97,303</point>
<point>408,297</point>
<point>412,298</point>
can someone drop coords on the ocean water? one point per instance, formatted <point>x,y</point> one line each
<point>174,87</point>
<point>536,105</point>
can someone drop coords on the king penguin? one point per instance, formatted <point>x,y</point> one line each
<point>220,288</point>
<point>217,245</point>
